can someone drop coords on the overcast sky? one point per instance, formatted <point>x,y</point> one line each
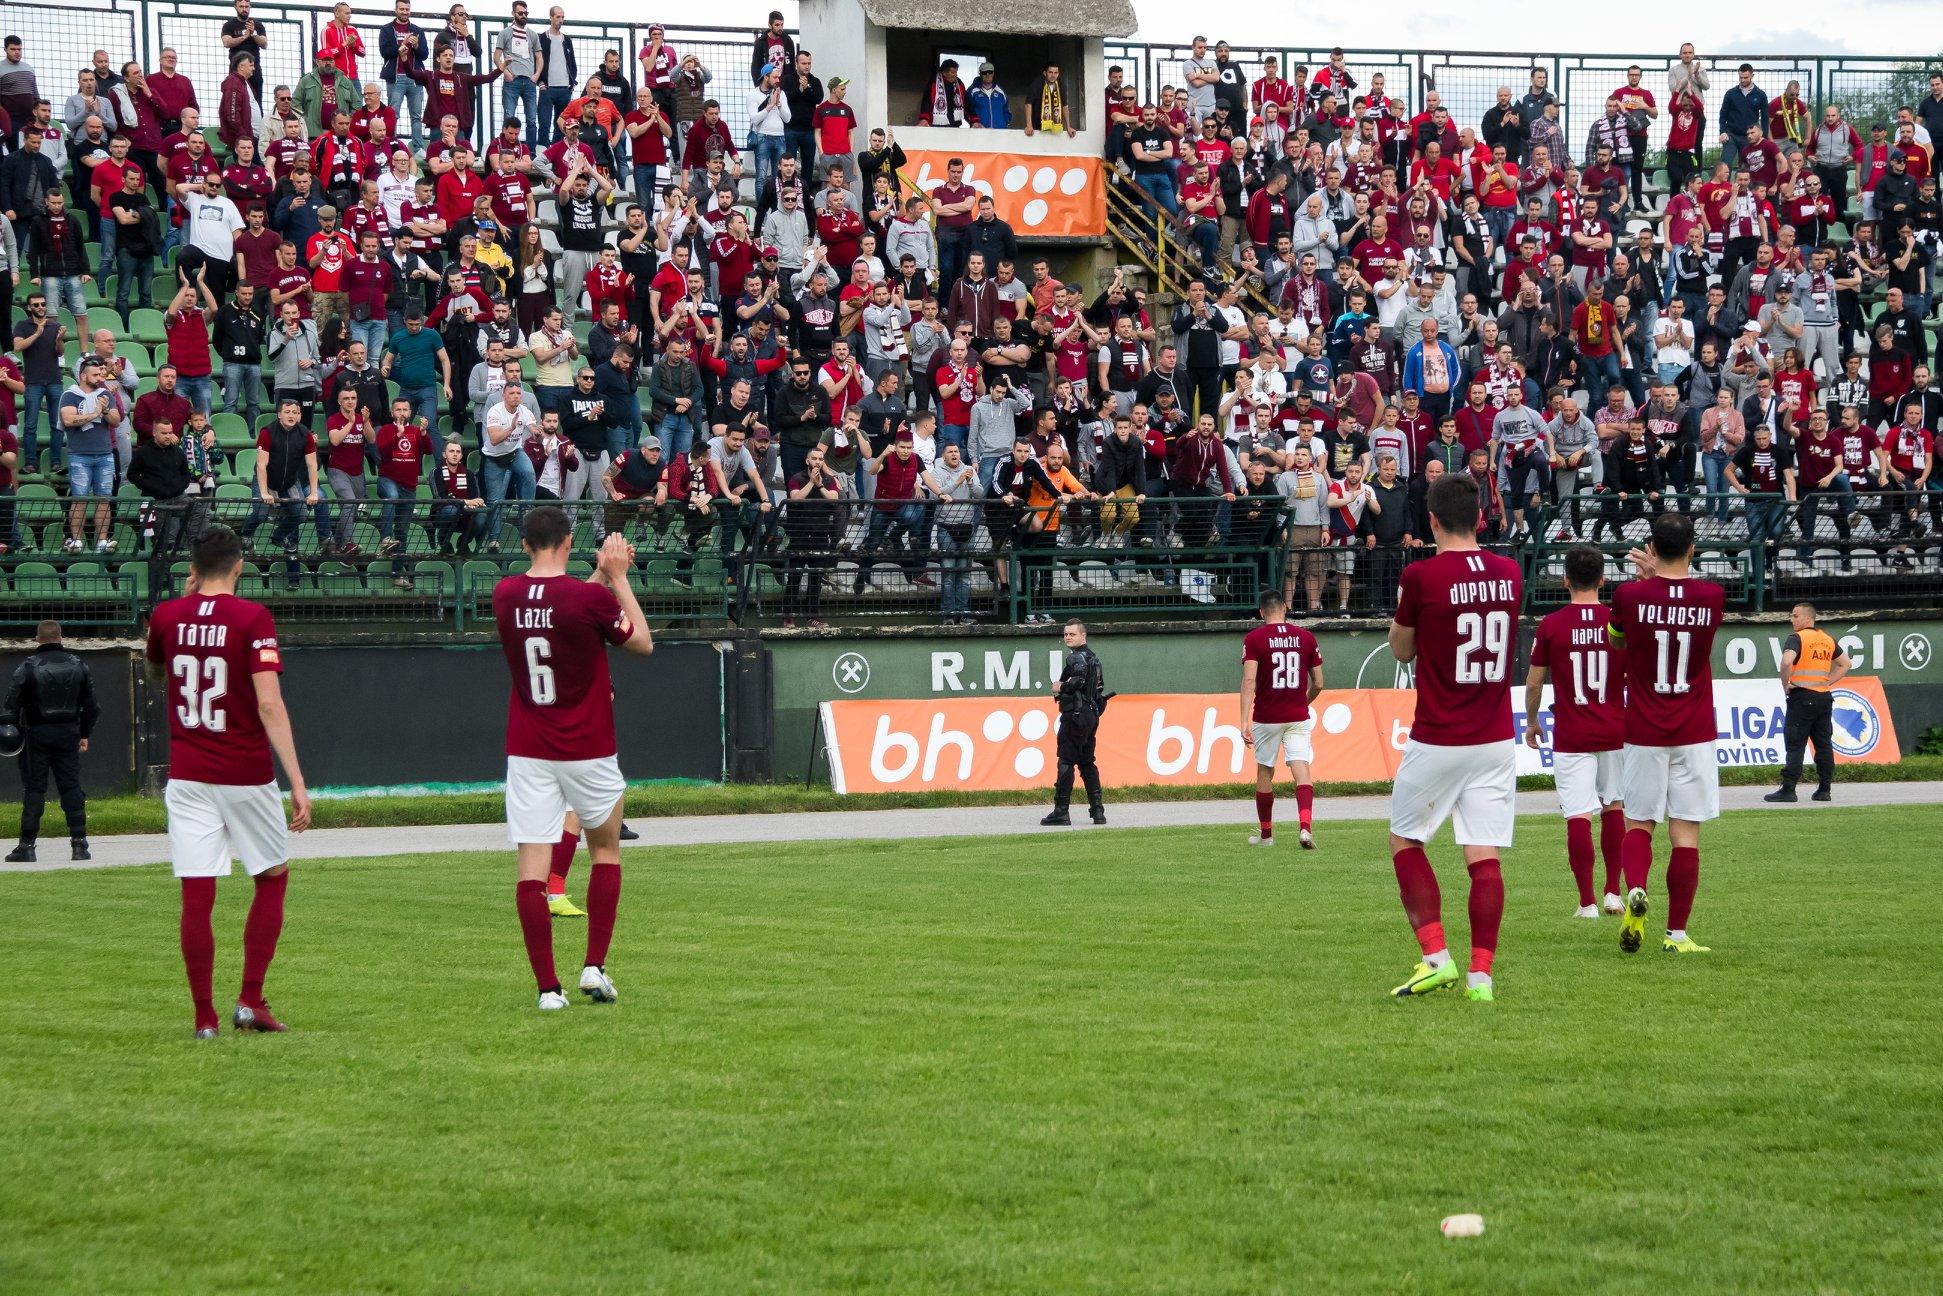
<point>1644,26</point>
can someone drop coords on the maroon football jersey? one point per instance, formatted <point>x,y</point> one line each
<point>555,631</point>
<point>211,647</point>
<point>1588,695</point>
<point>1284,655</point>
<point>1464,607</point>
<point>1666,627</point>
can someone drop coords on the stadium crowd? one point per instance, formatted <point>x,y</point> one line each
<point>365,297</point>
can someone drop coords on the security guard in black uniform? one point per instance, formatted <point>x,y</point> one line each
<point>52,700</point>
<point>1082,696</point>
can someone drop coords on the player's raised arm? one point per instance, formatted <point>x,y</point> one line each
<point>276,727</point>
<point>616,560</point>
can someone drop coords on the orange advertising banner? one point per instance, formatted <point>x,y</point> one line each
<point>998,743</point>
<point>1008,743</point>
<point>1036,195</point>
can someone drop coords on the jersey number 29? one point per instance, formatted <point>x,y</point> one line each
<point>1484,647</point>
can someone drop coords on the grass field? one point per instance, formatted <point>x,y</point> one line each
<point>109,816</point>
<point>1098,1062</point>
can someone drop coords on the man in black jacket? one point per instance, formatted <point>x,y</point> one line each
<point>1385,523</point>
<point>800,415</point>
<point>1200,327</point>
<point>52,700</point>
<point>27,176</point>
<point>1633,482</point>
<point>992,236</point>
<point>237,340</point>
<point>58,257</point>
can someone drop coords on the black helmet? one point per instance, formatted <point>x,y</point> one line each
<point>12,737</point>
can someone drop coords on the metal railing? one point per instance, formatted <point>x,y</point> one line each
<point>1866,86</point>
<point>1866,546</point>
<point>430,560</point>
<point>423,561</point>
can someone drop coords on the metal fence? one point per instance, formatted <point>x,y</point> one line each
<point>141,29</point>
<point>1467,80</point>
<point>420,560</point>
<point>436,561</point>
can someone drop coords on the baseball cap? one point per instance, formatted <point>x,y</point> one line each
<point>1750,327</point>
<point>839,81</point>
<point>768,69</point>
<point>768,253</point>
<point>988,66</point>
<point>651,443</point>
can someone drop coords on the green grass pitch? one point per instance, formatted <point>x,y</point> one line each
<point>1085,1062</point>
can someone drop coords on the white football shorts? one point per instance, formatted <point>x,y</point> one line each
<point>1475,787</point>
<point>1588,781</point>
<point>212,824</point>
<point>1286,740</point>
<point>1672,783</point>
<point>540,792</point>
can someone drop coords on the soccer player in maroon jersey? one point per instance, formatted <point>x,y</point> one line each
<point>1457,619</point>
<point>560,746</point>
<point>216,656</point>
<point>1281,673</point>
<point>1666,621</point>
<point>1573,652</point>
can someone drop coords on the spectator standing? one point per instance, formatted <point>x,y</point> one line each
<point>243,37</point>
<point>402,44</point>
<point>516,53</point>
<point>90,412</point>
<point>1743,105</point>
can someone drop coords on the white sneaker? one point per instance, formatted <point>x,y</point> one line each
<point>1256,839</point>
<point>1614,903</point>
<point>594,983</point>
<point>1587,911</point>
<point>1307,839</point>
<point>552,1001</point>
<point>70,545</point>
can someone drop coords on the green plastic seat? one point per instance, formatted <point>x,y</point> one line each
<point>146,326</point>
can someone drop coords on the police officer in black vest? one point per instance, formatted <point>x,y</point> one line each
<point>52,700</point>
<point>1082,696</point>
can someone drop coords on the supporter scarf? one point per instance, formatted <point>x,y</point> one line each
<point>940,101</point>
<point>1052,110</point>
<point>1595,321</point>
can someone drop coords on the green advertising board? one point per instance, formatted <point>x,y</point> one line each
<point>1907,655</point>
<point>1899,652</point>
<point>808,672</point>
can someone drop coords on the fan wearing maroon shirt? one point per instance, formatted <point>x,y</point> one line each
<point>216,658</point>
<point>1666,622</point>
<point>560,745</point>
<point>1456,620</point>
<point>1574,654</point>
<point>1281,673</point>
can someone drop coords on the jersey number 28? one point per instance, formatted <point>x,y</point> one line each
<point>1484,647</point>
<point>1285,670</point>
